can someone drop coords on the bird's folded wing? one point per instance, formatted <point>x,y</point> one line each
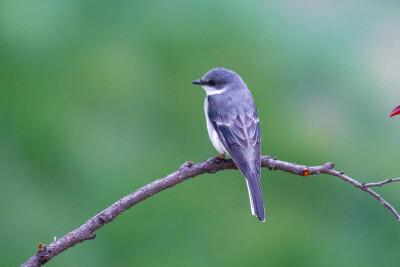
<point>240,134</point>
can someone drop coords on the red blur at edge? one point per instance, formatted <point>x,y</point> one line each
<point>395,111</point>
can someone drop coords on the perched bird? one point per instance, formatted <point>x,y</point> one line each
<point>233,127</point>
<point>395,111</point>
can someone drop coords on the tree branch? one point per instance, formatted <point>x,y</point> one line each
<point>186,171</point>
<point>382,183</point>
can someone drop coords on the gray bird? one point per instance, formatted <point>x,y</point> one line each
<point>233,127</point>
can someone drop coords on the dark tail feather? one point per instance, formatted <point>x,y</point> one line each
<point>256,199</point>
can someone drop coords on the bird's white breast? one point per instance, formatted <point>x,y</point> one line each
<point>219,146</point>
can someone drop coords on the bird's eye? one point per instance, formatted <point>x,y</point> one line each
<point>211,82</point>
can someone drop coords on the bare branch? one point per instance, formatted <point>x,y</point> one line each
<point>383,182</point>
<point>186,171</point>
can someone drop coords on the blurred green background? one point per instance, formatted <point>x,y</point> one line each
<point>96,101</point>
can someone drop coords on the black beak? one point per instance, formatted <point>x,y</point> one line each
<point>199,82</point>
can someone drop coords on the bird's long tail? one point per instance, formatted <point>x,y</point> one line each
<point>255,194</point>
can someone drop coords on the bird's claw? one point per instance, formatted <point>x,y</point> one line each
<point>220,158</point>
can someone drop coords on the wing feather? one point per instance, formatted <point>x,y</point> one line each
<point>240,134</point>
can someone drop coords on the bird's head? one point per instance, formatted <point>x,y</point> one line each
<point>218,80</point>
<point>395,111</point>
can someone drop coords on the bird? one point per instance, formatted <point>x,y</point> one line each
<point>395,112</point>
<point>234,129</point>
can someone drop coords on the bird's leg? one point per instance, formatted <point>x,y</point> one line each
<point>220,158</point>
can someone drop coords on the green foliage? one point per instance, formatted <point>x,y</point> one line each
<point>96,101</point>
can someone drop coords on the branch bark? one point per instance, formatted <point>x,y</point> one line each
<point>186,171</point>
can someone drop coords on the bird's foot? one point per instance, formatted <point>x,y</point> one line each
<point>220,158</point>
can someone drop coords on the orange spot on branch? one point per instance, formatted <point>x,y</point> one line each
<point>305,172</point>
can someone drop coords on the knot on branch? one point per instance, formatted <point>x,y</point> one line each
<point>329,165</point>
<point>305,172</point>
<point>185,165</point>
<point>43,254</point>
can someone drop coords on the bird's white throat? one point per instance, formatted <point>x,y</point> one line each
<point>212,91</point>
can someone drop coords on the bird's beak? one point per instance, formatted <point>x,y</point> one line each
<point>395,111</point>
<point>199,82</point>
